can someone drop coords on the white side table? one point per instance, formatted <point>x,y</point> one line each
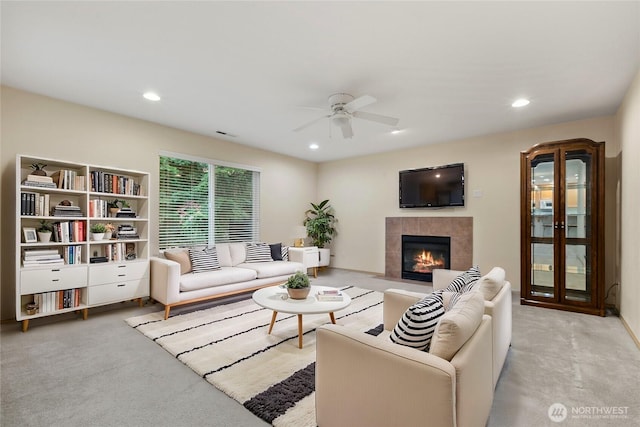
<point>309,256</point>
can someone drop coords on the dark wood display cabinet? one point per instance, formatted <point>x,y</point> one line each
<point>562,226</point>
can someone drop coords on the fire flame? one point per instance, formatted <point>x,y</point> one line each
<point>425,263</point>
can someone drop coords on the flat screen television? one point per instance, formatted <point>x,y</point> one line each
<point>432,187</point>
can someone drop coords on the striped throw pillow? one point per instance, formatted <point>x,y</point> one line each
<point>204,260</point>
<point>285,253</point>
<point>258,252</point>
<point>465,281</point>
<point>416,326</point>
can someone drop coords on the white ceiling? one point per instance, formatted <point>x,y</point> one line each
<point>448,70</point>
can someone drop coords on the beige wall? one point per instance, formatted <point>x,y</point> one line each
<point>364,191</point>
<point>628,118</point>
<point>41,126</point>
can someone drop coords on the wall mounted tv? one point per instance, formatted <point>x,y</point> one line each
<point>432,187</point>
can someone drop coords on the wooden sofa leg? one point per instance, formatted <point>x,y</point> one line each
<point>167,309</point>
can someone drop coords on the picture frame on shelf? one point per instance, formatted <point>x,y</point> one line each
<point>30,235</point>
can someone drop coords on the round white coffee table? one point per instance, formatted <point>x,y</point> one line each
<point>276,298</point>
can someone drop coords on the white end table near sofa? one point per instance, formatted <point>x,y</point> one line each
<point>309,256</point>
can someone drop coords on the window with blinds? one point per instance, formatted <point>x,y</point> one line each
<point>202,203</point>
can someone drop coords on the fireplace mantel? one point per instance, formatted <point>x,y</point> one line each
<point>459,229</point>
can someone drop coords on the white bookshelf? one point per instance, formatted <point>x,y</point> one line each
<point>79,283</point>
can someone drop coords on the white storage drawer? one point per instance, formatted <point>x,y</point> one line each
<point>118,291</point>
<point>117,272</point>
<point>52,279</point>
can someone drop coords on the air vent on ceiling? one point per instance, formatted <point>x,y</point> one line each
<point>219,132</point>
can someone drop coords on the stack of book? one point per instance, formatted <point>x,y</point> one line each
<point>39,181</point>
<point>126,231</point>
<point>329,295</point>
<point>61,210</point>
<point>34,257</point>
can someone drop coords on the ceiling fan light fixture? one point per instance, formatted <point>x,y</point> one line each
<point>340,120</point>
<point>520,103</point>
<point>151,96</point>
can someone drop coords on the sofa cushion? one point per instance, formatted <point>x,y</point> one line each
<point>238,253</point>
<point>258,252</point>
<point>181,256</point>
<point>204,259</point>
<point>209,279</point>
<point>224,254</point>
<point>457,325</point>
<point>464,280</point>
<point>276,251</point>
<point>272,268</point>
<point>491,283</point>
<point>416,326</point>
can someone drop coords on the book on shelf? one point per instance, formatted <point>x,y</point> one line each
<point>329,295</point>
<point>68,180</point>
<point>39,178</point>
<point>62,210</point>
<point>49,302</point>
<point>69,231</point>
<point>105,182</point>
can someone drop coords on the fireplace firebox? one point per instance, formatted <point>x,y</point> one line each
<point>423,254</point>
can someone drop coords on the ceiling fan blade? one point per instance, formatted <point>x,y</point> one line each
<point>312,122</point>
<point>391,121</point>
<point>347,131</point>
<point>358,103</point>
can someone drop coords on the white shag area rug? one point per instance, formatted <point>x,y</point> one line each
<point>228,345</point>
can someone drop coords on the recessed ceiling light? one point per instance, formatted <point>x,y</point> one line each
<point>151,96</point>
<point>520,102</point>
<point>314,146</point>
<point>396,131</point>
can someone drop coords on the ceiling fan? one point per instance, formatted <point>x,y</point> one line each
<point>344,107</point>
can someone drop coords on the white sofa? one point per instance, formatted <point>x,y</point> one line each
<point>369,381</point>
<point>173,283</point>
<point>498,300</point>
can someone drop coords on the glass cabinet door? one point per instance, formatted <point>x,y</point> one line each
<point>542,194</point>
<point>577,206</point>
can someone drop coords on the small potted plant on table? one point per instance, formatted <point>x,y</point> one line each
<point>298,286</point>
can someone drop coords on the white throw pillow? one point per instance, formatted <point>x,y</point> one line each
<point>457,325</point>
<point>181,256</point>
<point>491,283</point>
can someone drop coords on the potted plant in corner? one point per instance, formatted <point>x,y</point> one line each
<point>320,222</point>
<point>97,231</point>
<point>298,286</point>
<point>44,231</point>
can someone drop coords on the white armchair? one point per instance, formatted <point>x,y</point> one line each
<point>369,381</point>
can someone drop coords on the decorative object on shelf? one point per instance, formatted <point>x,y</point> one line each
<point>38,169</point>
<point>109,229</point>
<point>97,231</point>
<point>45,231</point>
<point>29,234</point>
<point>298,286</point>
<point>299,234</point>
<point>31,308</point>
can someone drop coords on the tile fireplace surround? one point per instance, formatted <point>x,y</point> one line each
<point>460,229</point>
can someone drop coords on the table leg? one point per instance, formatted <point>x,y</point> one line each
<point>332,317</point>
<point>273,320</point>
<point>299,330</point>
